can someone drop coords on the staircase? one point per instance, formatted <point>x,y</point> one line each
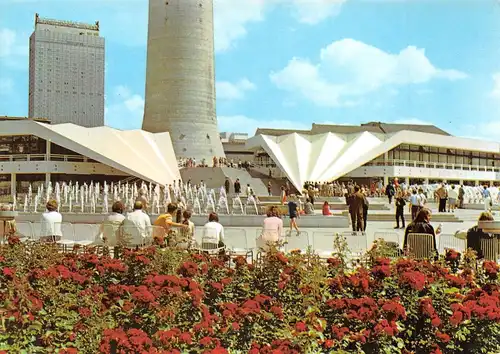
<point>276,183</point>
<point>257,184</point>
<point>214,177</point>
<point>438,217</point>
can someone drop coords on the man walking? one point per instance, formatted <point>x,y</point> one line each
<point>356,203</point>
<point>389,191</point>
<point>293,214</point>
<point>414,204</point>
<point>442,196</point>
<point>237,187</point>
<point>365,211</point>
<point>461,193</point>
<point>487,198</point>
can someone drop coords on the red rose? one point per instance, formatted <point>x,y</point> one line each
<point>300,327</point>
<point>328,343</point>
<point>205,341</point>
<point>436,321</point>
<point>84,312</point>
<point>9,272</point>
<point>235,326</point>
<point>443,337</point>
<point>456,318</point>
<point>186,338</point>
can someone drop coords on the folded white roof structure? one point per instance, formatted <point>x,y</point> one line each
<point>148,156</point>
<point>329,156</point>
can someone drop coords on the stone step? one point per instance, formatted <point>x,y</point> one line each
<point>391,217</point>
<point>333,206</point>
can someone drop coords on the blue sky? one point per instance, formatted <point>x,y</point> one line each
<point>287,64</point>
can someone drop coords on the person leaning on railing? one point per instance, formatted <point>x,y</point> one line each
<point>272,229</point>
<point>421,225</point>
<point>51,223</point>
<point>186,236</point>
<point>109,228</point>
<point>167,222</point>
<point>475,235</point>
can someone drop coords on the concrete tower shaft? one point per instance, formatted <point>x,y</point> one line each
<point>180,77</point>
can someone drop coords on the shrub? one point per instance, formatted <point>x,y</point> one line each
<point>165,301</point>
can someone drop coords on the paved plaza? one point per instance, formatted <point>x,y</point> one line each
<point>321,238</point>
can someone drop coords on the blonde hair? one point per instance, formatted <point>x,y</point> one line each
<point>51,205</point>
<point>486,216</point>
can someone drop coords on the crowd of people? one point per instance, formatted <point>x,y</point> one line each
<point>340,189</point>
<point>179,230</point>
<point>190,162</point>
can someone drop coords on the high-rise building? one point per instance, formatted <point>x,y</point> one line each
<point>66,77</point>
<point>180,87</point>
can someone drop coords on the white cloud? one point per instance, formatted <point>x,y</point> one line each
<point>6,86</point>
<point>312,12</point>
<point>126,109</point>
<point>243,124</point>
<point>487,130</point>
<point>231,18</point>
<point>496,85</point>
<point>233,91</point>
<point>411,121</point>
<point>11,49</point>
<point>352,68</point>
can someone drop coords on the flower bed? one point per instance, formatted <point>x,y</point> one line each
<point>164,301</point>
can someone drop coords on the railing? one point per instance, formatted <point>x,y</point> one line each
<point>43,157</point>
<point>442,165</point>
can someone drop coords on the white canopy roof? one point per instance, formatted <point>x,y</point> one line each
<point>141,154</point>
<point>329,156</point>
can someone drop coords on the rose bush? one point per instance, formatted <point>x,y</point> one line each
<point>166,301</point>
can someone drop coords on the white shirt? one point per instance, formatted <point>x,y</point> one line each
<point>273,226</point>
<point>453,194</point>
<point>115,217</point>
<point>415,200</point>
<point>213,232</point>
<point>423,199</point>
<point>109,229</point>
<point>137,222</point>
<point>51,224</point>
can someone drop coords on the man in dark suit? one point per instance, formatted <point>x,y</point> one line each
<point>237,187</point>
<point>356,206</point>
<point>390,191</point>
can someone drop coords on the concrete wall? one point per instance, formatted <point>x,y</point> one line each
<point>180,77</point>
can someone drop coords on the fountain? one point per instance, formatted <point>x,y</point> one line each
<point>222,206</point>
<point>238,205</point>
<point>197,206</point>
<point>82,199</point>
<point>252,204</point>
<point>210,206</point>
<point>35,205</point>
<point>105,201</point>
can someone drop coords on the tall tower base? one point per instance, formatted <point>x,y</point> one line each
<point>180,78</point>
